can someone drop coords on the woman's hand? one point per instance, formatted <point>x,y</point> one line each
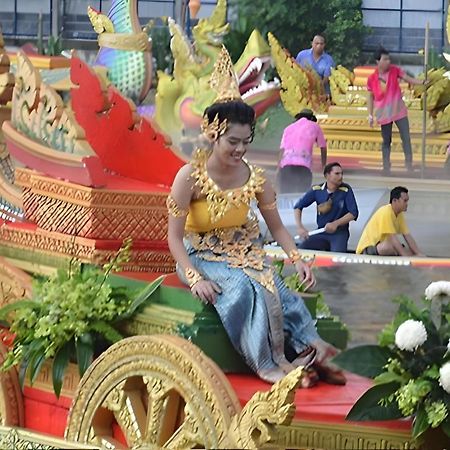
<point>206,291</point>
<point>305,274</point>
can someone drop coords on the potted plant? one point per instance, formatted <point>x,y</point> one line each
<point>69,316</point>
<point>410,367</point>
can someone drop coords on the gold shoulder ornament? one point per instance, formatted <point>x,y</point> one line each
<point>220,201</point>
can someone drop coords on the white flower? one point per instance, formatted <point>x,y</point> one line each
<point>437,288</point>
<point>448,346</point>
<point>444,379</point>
<point>410,335</point>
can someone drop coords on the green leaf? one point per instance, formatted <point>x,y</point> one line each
<point>145,294</point>
<point>367,407</point>
<point>36,365</point>
<point>85,352</point>
<point>365,360</point>
<point>107,331</point>
<point>420,422</point>
<point>388,377</point>
<point>21,304</point>
<point>60,363</point>
<point>23,371</point>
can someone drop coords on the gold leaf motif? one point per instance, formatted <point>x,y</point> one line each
<point>219,201</point>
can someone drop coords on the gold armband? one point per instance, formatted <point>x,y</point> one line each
<point>268,206</point>
<point>294,255</point>
<point>192,277</point>
<point>173,208</point>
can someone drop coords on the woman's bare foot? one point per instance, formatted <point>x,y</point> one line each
<point>309,378</point>
<point>326,370</point>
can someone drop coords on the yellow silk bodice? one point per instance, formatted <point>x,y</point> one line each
<point>199,219</point>
<point>217,208</point>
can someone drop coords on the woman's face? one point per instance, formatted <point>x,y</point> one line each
<point>232,146</point>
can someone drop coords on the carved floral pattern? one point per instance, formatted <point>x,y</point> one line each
<point>11,403</point>
<point>39,112</point>
<point>161,390</point>
<point>63,246</point>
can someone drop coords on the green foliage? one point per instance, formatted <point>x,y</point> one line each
<point>364,360</point>
<point>161,52</point>
<point>368,406</point>
<point>293,283</point>
<point>236,39</point>
<point>407,382</point>
<point>295,24</point>
<point>70,313</point>
<point>54,46</point>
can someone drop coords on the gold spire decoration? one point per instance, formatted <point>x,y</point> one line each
<point>224,80</point>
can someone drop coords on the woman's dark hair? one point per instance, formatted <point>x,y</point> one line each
<point>234,112</point>
<point>307,114</point>
<point>380,52</point>
<point>329,167</point>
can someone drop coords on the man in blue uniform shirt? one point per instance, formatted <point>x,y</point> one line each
<point>316,58</point>
<point>336,208</point>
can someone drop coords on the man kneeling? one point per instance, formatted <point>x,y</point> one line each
<point>380,233</point>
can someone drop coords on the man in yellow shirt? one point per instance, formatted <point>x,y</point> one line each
<point>379,236</point>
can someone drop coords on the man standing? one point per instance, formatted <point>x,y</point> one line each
<point>385,96</point>
<point>316,58</point>
<point>379,236</point>
<point>336,207</point>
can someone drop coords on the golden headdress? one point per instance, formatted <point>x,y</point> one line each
<point>224,81</point>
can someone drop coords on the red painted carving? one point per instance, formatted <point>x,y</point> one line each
<point>126,143</point>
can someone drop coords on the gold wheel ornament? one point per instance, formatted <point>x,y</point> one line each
<point>11,402</point>
<point>152,392</point>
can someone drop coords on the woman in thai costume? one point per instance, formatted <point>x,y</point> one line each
<point>215,240</point>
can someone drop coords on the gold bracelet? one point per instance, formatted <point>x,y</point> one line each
<point>192,277</point>
<point>268,206</point>
<point>294,255</point>
<point>173,208</point>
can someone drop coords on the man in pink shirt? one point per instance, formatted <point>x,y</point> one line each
<point>296,149</point>
<point>386,96</point>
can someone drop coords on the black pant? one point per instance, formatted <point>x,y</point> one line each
<point>293,179</point>
<point>386,133</point>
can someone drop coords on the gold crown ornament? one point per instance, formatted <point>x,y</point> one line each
<point>224,81</point>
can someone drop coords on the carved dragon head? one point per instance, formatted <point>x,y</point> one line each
<point>212,30</point>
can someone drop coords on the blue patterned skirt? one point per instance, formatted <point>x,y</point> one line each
<point>260,314</point>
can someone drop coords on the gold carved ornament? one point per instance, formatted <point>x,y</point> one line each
<point>162,391</point>
<point>225,83</point>
<point>258,424</point>
<point>39,112</point>
<point>125,41</point>
<point>220,201</point>
<point>11,402</point>
<point>238,246</point>
<point>223,79</point>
